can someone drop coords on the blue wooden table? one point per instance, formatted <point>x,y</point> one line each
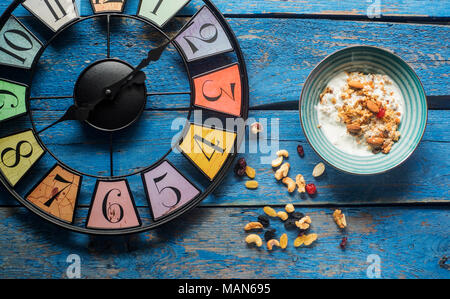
<point>400,219</point>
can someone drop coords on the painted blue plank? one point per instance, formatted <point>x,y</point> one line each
<point>209,243</point>
<point>143,144</point>
<point>424,8</point>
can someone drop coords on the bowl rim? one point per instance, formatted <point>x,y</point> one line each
<point>397,57</point>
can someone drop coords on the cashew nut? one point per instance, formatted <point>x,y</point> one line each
<point>283,153</point>
<point>253,225</point>
<point>277,162</point>
<point>303,223</point>
<point>289,183</point>
<point>272,243</point>
<point>283,171</point>
<point>254,239</point>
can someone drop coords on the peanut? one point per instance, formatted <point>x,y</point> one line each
<point>254,239</point>
<point>252,226</point>
<point>289,183</point>
<point>272,243</point>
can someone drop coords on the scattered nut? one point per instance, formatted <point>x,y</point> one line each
<point>318,170</point>
<point>252,226</point>
<point>256,128</point>
<point>303,223</point>
<point>289,208</point>
<point>251,172</point>
<point>301,184</point>
<point>270,212</point>
<point>283,171</point>
<point>339,218</point>
<point>254,239</point>
<point>283,153</point>
<point>283,241</point>
<point>277,162</point>
<point>272,243</point>
<point>283,215</point>
<point>251,184</point>
<point>290,184</point>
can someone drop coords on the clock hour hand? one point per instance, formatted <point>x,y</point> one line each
<point>153,55</point>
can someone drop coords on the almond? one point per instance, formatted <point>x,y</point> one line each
<point>375,141</point>
<point>355,84</point>
<point>372,106</point>
<point>353,128</point>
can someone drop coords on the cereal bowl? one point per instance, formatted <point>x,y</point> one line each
<point>366,60</point>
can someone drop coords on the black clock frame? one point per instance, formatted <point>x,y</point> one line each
<point>183,209</point>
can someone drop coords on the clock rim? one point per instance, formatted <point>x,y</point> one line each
<point>183,209</point>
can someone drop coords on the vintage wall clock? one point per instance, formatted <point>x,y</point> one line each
<point>100,101</point>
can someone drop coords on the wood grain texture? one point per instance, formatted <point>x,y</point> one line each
<point>280,54</point>
<point>407,8</point>
<point>422,179</point>
<point>209,243</point>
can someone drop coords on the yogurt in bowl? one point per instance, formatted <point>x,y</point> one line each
<point>363,110</point>
<point>357,111</point>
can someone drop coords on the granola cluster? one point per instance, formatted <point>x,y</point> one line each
<point>368,110</point>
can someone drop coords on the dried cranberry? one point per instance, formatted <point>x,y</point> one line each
<point>300,151</point>
<point>311,189</point>
<point>343,242</point>
<point>240,171</point>
<point>381,113</point>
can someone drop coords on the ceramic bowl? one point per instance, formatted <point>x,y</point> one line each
<point>367,60</point>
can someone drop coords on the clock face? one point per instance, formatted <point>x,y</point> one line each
<point>115,115</point>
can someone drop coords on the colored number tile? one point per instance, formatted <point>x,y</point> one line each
<point>53,13</point>
<point>203,37</point>
<point>12,99</point>
<point>102,6</point>
<point>18,153</point>
<point>207,148</point>
<point>112,206</point>
<point>159,12</point>
<point>219,90</point>
<point>167,189</point>
<point>57,193</point>
<point>18,46</point>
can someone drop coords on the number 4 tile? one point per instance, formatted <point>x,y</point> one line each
<point>208,148</point>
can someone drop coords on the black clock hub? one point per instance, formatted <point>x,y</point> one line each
<point>111,114</point>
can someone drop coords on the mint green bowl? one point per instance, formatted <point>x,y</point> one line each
<point>368,60</point>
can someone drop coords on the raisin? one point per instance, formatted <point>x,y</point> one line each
<point>290,224</point>
<point>242,163</point>
<point>240,172</point>
<point>269,235</point>
<point>264,220</point>
<point>300,151</point>
<point>297,215</point>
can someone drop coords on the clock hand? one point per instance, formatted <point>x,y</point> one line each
<point>153,55</point>
<point>82,112</point>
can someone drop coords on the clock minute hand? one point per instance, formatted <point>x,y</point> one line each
<point>153,55</point>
